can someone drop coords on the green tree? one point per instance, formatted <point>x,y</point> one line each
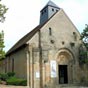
<point>3,10</point>
<point>84,53</point>
<point>84,36</point>
<point>2,52</point>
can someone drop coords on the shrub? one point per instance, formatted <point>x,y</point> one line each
<point>0,81</point>
<point>4,77</point>
<point>10,74</point>
<point>16,81</point>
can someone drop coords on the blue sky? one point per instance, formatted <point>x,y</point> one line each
<point>23,16</point>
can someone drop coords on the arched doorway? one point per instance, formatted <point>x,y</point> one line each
<point>65,66</point>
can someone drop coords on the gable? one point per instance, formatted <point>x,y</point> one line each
<point>63,31</point>
<point>60,22</point>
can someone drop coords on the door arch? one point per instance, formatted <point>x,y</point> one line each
<point>65,60</point>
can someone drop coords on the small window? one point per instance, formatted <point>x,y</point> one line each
<point>50,31</point>
<point>45,10</point>
<point>52,9</point>
<point>75,36</point>
<point>72,44</point>
<point>63,42</point>
<point>52,41</point>
<point>74,33</point>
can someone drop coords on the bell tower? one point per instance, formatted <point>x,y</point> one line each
<point>49,9</point>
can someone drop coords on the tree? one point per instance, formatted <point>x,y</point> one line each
<point>84,53</point>
<point>3,10</point>
<point>84,36</point>
<point>2,52</point>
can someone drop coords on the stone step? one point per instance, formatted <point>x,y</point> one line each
<point>66,86</point>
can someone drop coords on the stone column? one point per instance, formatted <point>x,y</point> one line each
<point>29,66</point>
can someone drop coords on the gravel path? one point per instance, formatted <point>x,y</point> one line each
<point>8,86</point>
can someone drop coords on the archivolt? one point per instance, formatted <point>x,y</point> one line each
<point>65,52</point>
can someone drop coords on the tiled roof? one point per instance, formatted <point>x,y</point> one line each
<point>23,40</point>
<point>50,3</point>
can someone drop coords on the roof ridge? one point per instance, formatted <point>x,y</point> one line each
<point>50,3</point>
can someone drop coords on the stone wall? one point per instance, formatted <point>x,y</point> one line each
<point>60,42</point>
<point>20,63</point>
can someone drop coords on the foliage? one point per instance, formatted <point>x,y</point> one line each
<point>83,57</point>
<point>84,53</point>
<point>11,74</point>
<point>3,77</point>
<point>10,79</point>
<point>3,10</point>
<point>2,52</point>
<point>0,81</point>
<point>16,81</point>
<point>84,36</point>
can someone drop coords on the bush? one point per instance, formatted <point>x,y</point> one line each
<point>4,77</point>
<point>10,74</point>
<point>10,79</point>
<point>0,81</point>
<point>16,81</point>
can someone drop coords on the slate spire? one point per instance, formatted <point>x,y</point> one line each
<point>49,9</point>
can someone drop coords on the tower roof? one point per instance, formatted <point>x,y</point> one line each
<point>50,3</point>
<point>48,10</point>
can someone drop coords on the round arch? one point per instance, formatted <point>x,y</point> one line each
<point>65,60</point>
<point>64,56</point>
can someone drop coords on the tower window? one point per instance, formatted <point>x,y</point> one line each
<point>52,9</point>
<point>42,12</point>
<point>50,31</point>
<point>45,10</point>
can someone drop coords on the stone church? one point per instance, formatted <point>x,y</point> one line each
<point>48,56</point>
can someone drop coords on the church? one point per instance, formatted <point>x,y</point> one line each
<point>48,56</point>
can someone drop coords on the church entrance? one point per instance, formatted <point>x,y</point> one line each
<point>63,74</point>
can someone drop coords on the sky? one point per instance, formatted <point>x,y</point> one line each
<point>24,15</point>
